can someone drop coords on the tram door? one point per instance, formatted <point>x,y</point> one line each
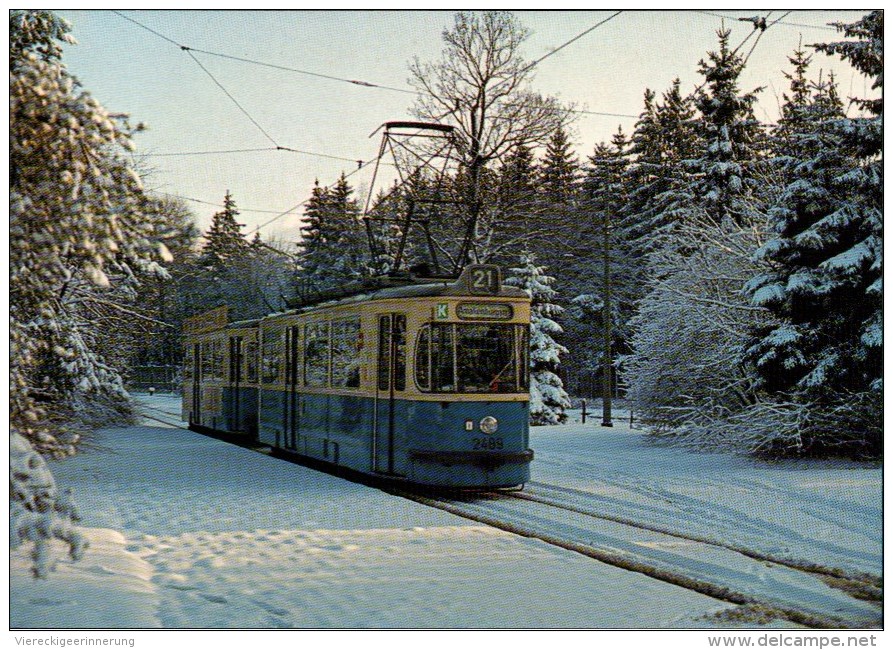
<point>291,406</point>
<point>197,383</point>
<point>390,383</point>
<point>235,378</point>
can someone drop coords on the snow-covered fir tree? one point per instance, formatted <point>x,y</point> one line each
<point>602,277</point>
<point>38,511</point>
<point>659,187</point>
<point>516,205</point>
<point>826,266</point>
<point>732,135</point>
<point>548,399</point>
<point>81,234</point>
<point>224,241</point>
<point>686,371</point>
<point>559,171</point>
<point>333,244</point>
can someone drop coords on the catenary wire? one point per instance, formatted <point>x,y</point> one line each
<point>787,24</point>
<point>356,82</point>
<point>565,44</point>
<point>234,100</point>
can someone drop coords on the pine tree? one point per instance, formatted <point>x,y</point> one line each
<point>559,171</point>
<point>548,399</point>
<point>797,104</point>
<point>516,205</point>
<point>224,241</point>
<point>732,135</point>
<point>660,192</point>
<point>331,252</point>
<point>605,281</point>
<point>826,276</point>
<point>559,213</point>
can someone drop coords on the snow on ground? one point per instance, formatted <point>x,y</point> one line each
<point>187,531</point>
<point>220,536</point>
<point>827,513</point>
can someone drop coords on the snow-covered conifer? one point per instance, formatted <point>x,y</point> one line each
<point>81,236</point>
<point>548,399</point>
<point>825,278</point>
<point>38,511</point>
<point>333,246</point>
<point>732,135</point>
<point>224,242</point>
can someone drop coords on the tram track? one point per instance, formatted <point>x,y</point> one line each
<point>810,597</point>
<point>866,582</point>
<point>797,591</point>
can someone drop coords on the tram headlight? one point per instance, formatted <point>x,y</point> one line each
<point>489,425</point>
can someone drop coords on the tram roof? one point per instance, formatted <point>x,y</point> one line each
<point>243,324</point>
<point>428,289</point>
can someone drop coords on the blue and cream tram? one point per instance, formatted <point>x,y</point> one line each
<point>425,382</point>
<point>220,373</point>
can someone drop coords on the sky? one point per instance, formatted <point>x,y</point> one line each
<point>194,102</point>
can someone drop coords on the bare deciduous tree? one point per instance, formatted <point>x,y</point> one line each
<point>480,86</point>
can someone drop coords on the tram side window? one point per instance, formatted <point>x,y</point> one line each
<point>423,359</point>
<point>188,362</point>
<point>217,360</point>
<point>270,358</point>
<point>316,354</point>
<point>251,352</point>
<point>346,354</point>
<point>206,359</point>
<point>443,376</point>
<point>212,359</point>
<point>392,334</point>
<point>399,352</point>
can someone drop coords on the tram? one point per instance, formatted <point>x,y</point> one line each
<point>424,382</point>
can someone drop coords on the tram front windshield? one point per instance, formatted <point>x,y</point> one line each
<point>472,358</point>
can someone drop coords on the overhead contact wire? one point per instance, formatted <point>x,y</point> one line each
<point>564,45</point>
<point>227,93</point>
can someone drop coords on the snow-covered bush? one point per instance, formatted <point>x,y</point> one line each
<point>38,511</point>
<point>548,399</point>
<point>687,372</point>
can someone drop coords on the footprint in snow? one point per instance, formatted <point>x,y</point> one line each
<point>46,602</point>
<point>220,600</point>
<point>276,611</point>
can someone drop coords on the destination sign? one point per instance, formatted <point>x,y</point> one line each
<point>484,311</point>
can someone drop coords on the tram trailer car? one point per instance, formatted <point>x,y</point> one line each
<point>220,373</point>
<point>425,383</point>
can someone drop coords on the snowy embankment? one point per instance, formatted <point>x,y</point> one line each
<point>187,531</point>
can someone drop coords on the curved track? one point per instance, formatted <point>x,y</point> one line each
<point>806,595</point>
<point>569,518</point>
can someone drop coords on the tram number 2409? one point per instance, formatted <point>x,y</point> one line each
<point>486,443</point>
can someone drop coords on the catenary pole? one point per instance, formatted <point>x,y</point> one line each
<point>606,352</point>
